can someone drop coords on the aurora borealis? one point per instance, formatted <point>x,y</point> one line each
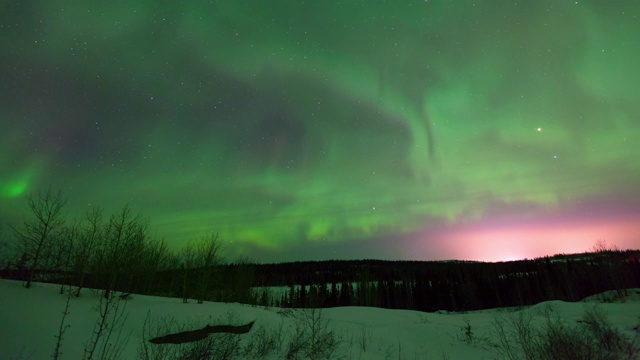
<point>310,130</point>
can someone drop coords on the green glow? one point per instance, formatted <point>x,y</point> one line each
<point>14,189</point>
<point>16,184</point>
<point>280,123</point>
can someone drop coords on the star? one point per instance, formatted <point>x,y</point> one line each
<point>302,131</point>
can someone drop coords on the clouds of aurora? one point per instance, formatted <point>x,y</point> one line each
<point>312,130</point>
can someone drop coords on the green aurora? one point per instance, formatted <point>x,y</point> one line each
<point>327,129</point>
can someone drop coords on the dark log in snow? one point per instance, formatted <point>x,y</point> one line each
<point>195,335</point>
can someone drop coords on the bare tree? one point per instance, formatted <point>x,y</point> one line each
<point>119,248</point>
<point>87,241</point>
<point>107,340</point>
<point>156,253</point>
<point>64,250</point>
<point>207,255</point>
<point>62,329</point>
<point>188,259</point>
<point>240,281</point>
<point>173,261</point>
<point>36,233</point>
<point>136,252</point>
<point>610,266</point>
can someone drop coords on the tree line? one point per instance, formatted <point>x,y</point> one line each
<point>453,285</point>
<point>116,253</point>
<point>110,253</point>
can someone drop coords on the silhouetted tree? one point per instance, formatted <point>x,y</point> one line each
<point>188,260</point>
<point>366,292</point>
<point>36,233</point>
<point>302,297</point>
<point>239,280</point>
<point>64,252</point>
<point>120,247</point>
<point>333,298</point>
<point>155,254</point>
<point>90,235</point>
<point>346,294</point>
<point>207,255</point>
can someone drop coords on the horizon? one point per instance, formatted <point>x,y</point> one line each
<point>413,131</point>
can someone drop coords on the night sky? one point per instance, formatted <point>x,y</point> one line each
<point>309,130</point>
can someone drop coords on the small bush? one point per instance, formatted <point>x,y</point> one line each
<point>592,338</point>
<point>468,336</point>
<point>264,342</point>
<point>107,340</point>
<point>312,337</point>
<point>466,333</point>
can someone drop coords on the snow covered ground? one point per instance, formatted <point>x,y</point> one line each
<point>30,320</point>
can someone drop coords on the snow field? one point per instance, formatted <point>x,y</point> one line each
<point>30,320</point>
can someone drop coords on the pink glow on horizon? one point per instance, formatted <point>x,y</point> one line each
<point>531,240</point>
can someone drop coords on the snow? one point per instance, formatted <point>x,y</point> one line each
<point>30,319</point>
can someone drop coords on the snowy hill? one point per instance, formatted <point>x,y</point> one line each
<point>30,320</point>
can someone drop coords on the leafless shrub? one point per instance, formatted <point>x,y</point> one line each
<point>468,336</point>
<point>297,343</point>
<point>609,339</point>
<point>208,255</point>
<point>264,342</point>
<point>119,249</point>
<point>592,338</point>
<point>57,352</point>
<point>107,340</point>
<point>198,260</point>
<point>513,336</point>
<point>152,329</point>
<point>558,340</point>
<point>312,336</point>
<point>36,235</point>
<point>83,254</point>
